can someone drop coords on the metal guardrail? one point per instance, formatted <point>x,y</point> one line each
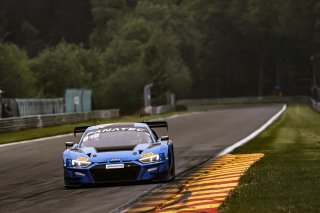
<point>316,93</point>
<point>243,100</point>
<point>315,105</point>
<point>38,121</point>
<point>156,110</point>
<point>205,104</point>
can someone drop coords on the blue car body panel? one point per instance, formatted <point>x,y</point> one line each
<point>124,164</point>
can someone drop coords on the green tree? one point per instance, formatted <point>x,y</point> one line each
<point>35,25</point>
<point>107,18</point>
<point>15,76</point>
<point>65,66</point>
<point>149,39</point>
<point>166,68</point>
<point>123,89</point>
<point>249,46</point>
<point>220,46</point>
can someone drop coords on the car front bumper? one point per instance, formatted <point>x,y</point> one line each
<point>132,171</point>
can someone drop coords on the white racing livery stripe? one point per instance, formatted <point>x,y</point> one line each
<point>254,134</point>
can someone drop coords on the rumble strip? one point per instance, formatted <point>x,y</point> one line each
<point>200,191</point>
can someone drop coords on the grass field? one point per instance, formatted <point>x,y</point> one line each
<point>28,134</point>
<point>287,179</point>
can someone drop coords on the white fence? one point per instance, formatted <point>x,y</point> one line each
<point>28,107</point>
<point>38,121</point>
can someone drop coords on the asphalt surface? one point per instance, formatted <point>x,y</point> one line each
<point>31,174</point>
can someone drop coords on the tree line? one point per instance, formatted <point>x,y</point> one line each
<point>195,49</point>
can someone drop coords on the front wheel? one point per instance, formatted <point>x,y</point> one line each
<point>172,170</point>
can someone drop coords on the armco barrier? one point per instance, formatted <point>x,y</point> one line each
<point>315,105</point>
<point>18,123</point>
<point>156,110</point>
<point>204,104</point>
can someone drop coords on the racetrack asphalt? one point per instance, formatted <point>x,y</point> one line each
<point>31,174</point>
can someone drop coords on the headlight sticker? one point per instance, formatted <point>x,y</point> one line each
<point>149,158</point>
<point>149,154</point>
<point>81,162</point>
<point>82,159</point>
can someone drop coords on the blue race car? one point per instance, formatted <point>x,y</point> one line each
<point>119,152</point>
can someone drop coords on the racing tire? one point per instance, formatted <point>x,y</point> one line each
<point>69,186</point>
<point>172,171</point>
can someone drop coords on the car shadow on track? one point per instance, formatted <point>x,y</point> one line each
<point>114,184</point>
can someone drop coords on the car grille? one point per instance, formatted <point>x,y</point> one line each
<point>128,173</point>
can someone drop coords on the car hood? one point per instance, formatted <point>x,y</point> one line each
<point>116,154</point>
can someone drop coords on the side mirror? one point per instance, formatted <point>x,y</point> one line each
<point>164,138</point>
<point>68,144</point>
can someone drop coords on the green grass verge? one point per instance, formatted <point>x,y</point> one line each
<point>28,134</point>
<point>287,179</point>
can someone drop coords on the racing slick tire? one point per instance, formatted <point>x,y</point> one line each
<point>172,171</point>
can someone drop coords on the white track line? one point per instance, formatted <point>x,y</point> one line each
<point>35,140</point>
<point>70,134</point>
<point>254,134</point>
<point>227,150</point>
<point>127,205</point>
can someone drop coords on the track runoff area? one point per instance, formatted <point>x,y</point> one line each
<point>205,188</point>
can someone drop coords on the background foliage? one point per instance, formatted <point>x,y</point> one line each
<point>196,49</point>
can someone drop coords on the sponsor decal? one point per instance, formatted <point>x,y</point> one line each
<point>114,166</point>
<point>82,159</point>
<point>149,154</point>
<point>124,129</point>
<point>96,134</point>
<point>102,126</point>
<point>152,169</point>
<point>80,174</point>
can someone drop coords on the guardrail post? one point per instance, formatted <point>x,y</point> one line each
<point>1,92</point>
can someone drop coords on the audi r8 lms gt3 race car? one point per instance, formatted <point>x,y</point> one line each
<point>119,152</point>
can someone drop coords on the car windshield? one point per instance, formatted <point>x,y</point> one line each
<point>112,137</point>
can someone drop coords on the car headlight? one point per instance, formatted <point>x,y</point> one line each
<point>80,163</point>
<point>150,159</point>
